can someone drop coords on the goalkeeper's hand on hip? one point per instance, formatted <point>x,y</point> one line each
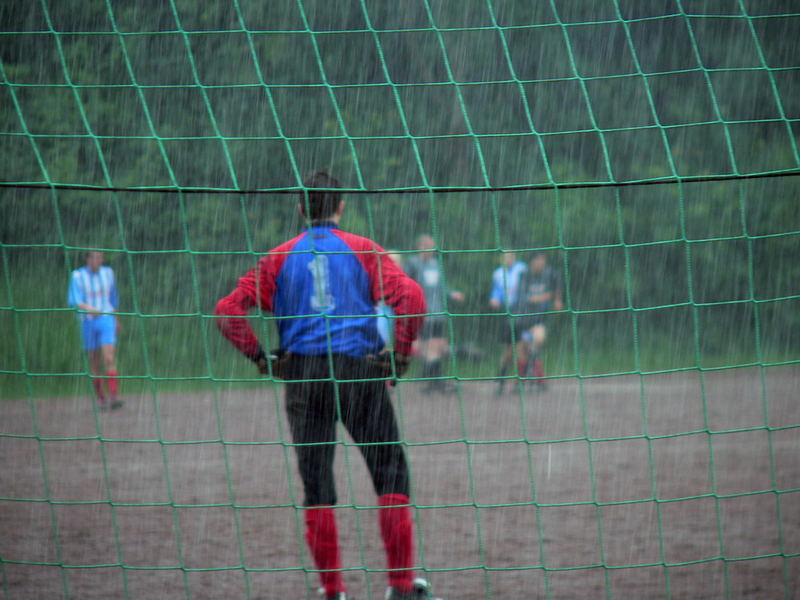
<point>276,363</point>
<point>388,364</point>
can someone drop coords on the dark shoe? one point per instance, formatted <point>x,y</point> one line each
<point>420,591</point>
<point>336,596</point>
<point>437,386</point>
<point>446,387</point>
<point>115,404</point>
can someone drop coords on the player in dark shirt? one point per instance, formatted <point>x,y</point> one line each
<point>324,285</point>
<point>539,293</point>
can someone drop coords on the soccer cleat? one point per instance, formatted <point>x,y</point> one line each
<point>115,404</point>
<point>420,591</point>
<point>336,596</point>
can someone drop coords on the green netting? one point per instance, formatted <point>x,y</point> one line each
<point>650,148</point>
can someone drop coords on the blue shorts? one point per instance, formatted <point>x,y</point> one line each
<point>100,331</point>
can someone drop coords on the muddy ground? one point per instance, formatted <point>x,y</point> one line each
<point>525,495</point>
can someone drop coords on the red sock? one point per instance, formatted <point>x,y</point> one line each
<point>538,368</point>
<point>323,542</point>
<point>397,531</point>
<point>98,389</point>
<point>522,365</point>
<point>113,382</point>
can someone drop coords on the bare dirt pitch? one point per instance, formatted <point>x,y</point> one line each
<point>591,550</point>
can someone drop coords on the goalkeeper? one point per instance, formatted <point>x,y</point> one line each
<point>324,285</point>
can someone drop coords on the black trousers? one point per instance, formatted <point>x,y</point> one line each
<point>363,407</point>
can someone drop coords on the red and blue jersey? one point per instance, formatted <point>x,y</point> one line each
<point>322,286</point>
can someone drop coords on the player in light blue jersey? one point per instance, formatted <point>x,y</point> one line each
<point>505,288</point>
<point>93,292</point>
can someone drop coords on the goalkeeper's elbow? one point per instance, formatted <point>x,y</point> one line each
<point>224,312</point>
<point>222,309</point>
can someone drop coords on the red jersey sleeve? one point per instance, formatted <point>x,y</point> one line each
<point>389,283</point>
<point>255,288</point>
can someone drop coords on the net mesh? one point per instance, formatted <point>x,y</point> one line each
<point>650,148</point>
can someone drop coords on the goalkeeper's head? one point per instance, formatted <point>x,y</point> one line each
<point>318,205</point>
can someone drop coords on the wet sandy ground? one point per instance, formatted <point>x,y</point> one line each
<point>525,495</point>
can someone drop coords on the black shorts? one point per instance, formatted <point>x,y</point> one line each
<point>434,327</point>
<point>363,407</point>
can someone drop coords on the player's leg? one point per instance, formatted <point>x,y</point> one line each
<point>95,366</point>
<point>428,351</point>
<point>434,349</point>
<point>439,351</point>
<point>508,336</point>
<point>91,343</point>
<point>523,353</point>
<point>539,332</point>
<point>505,359</point>
<point>108,352</point>
<point>505,364</point>
<point>107,331</point>
<point>369,417</point>
<point>527,355</point>
<point>311,411</point>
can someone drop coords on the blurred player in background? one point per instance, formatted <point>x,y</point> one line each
<point>505,287</point>
<point>325,284</point>
<point>385,312</point>
<point>93,291</point>
<point>539,292</point>
<point>434,346</point>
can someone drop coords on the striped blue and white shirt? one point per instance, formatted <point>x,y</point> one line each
<point>505,283</point>
<point>96,289</point>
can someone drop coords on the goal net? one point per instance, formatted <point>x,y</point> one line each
<point>648,149</point>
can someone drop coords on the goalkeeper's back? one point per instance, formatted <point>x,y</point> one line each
<point>323,286</point>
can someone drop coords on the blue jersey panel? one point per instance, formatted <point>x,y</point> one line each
<point>323,284</point>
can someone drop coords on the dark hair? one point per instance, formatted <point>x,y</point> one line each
<point>316,204</point>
